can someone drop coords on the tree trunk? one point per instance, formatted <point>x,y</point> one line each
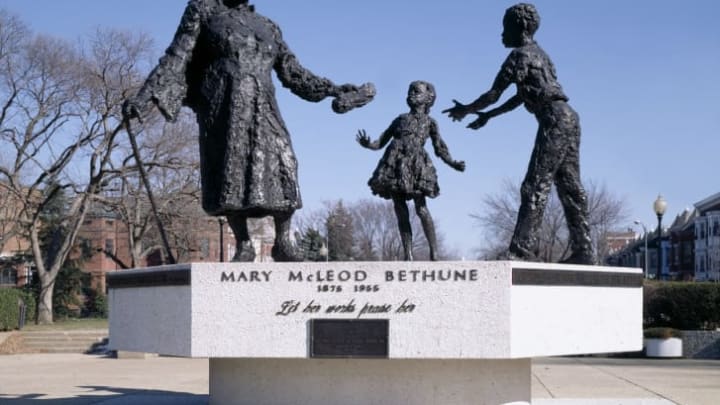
<point>45,307</point>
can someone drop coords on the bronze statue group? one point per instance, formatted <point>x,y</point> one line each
<point>248,167</point>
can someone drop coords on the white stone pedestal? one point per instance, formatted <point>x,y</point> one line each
<point>457,332</point>
<point>369,382</point>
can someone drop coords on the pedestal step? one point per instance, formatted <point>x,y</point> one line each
<point>364,382</point>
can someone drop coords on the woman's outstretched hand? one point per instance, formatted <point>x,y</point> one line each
<point>349,97</point>
<point>458,165</point>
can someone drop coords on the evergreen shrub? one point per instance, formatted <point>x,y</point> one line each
<point>682,305</point>
<point>10,299</point>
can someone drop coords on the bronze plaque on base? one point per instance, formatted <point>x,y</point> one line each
<point>349,338</point>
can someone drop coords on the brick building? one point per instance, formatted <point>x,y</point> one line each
<point>681,236</point>
<point>14,269</point>
<point>617,241</point>
<point>104,237</point>
<point>689,248</point>
<point>707,239</point>
<point>104,243</point>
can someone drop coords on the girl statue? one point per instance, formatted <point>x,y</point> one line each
<point>405,171</point>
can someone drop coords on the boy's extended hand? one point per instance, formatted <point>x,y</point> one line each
<point>457,112</point>
<point>480,122</point>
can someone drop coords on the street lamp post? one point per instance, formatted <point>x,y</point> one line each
<point>221,221</point>
<point>645,269</point>
<point>324,251</point>
<point>659,206</point>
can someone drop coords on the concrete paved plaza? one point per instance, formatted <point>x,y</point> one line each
<point>680,381</point>
<point>86,379</point>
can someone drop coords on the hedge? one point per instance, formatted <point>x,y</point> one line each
<point>661,333</point>
<point>682,305</point>
<point>10,310</point>
<point>96,304</point>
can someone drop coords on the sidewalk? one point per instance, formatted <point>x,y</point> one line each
<point>681,381</point>
<point>88,379</point>
<point>84,379</point>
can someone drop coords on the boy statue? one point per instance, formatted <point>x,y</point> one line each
<point>555,157</point>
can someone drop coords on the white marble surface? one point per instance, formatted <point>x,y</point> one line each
<point>482,317</point>
<point>152,320</point>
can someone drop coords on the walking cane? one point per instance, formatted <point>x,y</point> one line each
<point>143,176</point>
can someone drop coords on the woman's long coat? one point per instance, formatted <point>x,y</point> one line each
<point>219,64</point>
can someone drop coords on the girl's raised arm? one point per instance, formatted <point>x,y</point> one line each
<point>441,149</point>
<point>364,140</point>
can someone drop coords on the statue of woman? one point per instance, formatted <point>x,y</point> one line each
<point>219,64</point>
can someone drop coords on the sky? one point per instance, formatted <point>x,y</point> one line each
<point>643,75</point>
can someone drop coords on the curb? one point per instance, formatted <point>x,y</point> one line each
<point>4,336</point>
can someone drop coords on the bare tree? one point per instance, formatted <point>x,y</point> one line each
<point>12,37</point>
<point>499,213</point>
<point>497,219</point>
<point>60,126</point>
<point>40,97</point>
<point>375,231</point>
<point>168,152</point>
<point>368,229</point>
<point>377,235</point>
<point>608,213</point>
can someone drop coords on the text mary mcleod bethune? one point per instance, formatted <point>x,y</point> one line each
<point>332,276</point>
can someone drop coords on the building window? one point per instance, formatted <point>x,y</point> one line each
<point>687,253</point>
<point>204,248</point>
<point>8,276</point>
<point>28,275</point>
<point>86,247</point>
<point>109,246</point>
<point>230,249</point>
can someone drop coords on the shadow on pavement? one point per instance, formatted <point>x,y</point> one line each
<point>111,396</point>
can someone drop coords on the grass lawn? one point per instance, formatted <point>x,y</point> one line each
<point>69,324</point>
